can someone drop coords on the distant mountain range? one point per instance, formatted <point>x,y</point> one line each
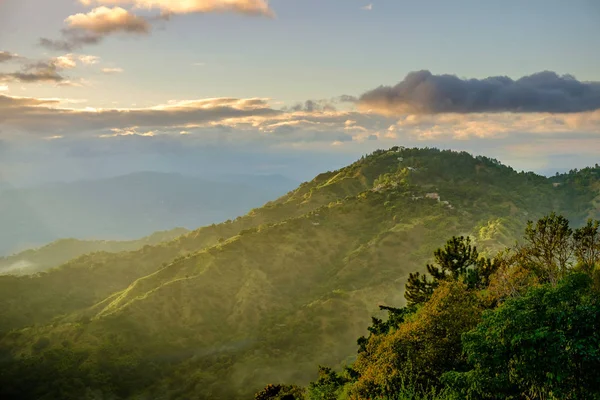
<point>223,310</point>
<point>59,252</point>
<point>127,207</point>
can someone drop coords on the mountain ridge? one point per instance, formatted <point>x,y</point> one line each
<point>61,251</point>
<point>235,305</point>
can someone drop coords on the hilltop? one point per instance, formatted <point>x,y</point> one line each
<point>221,311</point>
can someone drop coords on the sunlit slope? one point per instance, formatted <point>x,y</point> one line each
<point>89,279</point>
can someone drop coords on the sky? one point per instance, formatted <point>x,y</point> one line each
<point>95,88</point>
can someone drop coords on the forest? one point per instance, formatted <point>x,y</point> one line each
<point>251,307</point>
<point>523,325</point>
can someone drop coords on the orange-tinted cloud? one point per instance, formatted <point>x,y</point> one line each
<point>250,7</point>
<point>104,20</point>
<point>92,27</point>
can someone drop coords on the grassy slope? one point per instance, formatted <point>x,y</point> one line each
<point>91,278</point>
<point>270,295</point>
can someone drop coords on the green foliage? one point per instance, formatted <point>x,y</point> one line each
<point>458,259</point>
<point>542,345</point>
<point>67,373</point>
<point>329,385</point>
<point>552,249</point>
<point>422,348</point>
<point>587,245</point>
<point>280,392</point>
<point>419,288</point>
<point>548,250</point>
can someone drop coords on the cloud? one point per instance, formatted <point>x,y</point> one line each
<point>424,93</point>
<point>112,70</point>
<point>88,60</point>
<point>65,62</point>
<point>11,102</point>
<point>226,130</point>
<point>254,123</point>
<point>249,7</point>
<point>368,7</point>
<point>73,40</point>
<point>312,106</point>
<point>6,56</point>
<point>49,70</point>
<point>104,21</point>
<point>38,72</point>
<point>345,98</point>
<point>92,27</point>
<point>3,88</point>
<point>27,115</point>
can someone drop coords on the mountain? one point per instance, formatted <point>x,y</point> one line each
<point>221,311</point>
<point>59,252</point>
<point>126,207</point>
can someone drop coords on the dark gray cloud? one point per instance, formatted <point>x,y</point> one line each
<point>37,72</point>
<point>312,106</point>
<point>72,40</point>
<point>6,56</point>
<point>424,93</point>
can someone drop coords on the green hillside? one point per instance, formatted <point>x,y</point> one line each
<point>59,252</point>
<point>220,312</point>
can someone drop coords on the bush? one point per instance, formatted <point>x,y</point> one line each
<point>542,345</point>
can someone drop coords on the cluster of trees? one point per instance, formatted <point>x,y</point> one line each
<point>523,325</point>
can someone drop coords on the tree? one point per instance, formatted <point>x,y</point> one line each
<point>328,386</point>
<point>422,348</point>
<point>510,279</point>
<point>541,345</point>
<point>396,316</point>
<point>454,259</point>
<point>280,392</point>
<point>458,259</point>
<point>548,248</point>
<point>587,245</point>
<point>418,288</point>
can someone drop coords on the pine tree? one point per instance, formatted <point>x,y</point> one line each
<point>458,259</point>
